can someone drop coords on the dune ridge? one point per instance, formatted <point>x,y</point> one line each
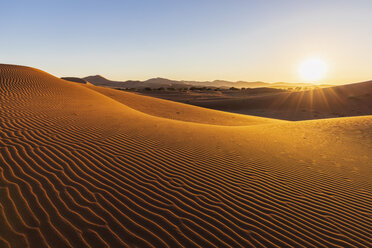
<point>329,102</point>
<point>81,169</point>
<point>180,111</point>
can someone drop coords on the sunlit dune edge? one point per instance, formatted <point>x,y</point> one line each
<point>330,102</point>
<point>84,166</point>
<point>180,111</point>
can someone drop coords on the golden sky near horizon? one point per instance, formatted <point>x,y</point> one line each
<point>192,40</point>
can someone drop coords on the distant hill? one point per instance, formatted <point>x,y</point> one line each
<point>75,79</point>
<point>166,83</point>
<point>98,79</point>
<point>228,84</point>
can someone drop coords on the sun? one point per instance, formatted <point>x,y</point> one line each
<point>312,70</point>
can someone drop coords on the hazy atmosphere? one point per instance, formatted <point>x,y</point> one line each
<point>190,40</point>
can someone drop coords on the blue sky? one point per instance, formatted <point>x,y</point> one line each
<point>192,40</point>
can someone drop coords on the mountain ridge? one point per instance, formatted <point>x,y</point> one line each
<point>158,82</point>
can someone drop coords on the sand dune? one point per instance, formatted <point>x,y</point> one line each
<point>179,111</point>
<point>83,166</point>
<point>338,101</point>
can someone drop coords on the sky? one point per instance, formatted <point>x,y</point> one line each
<point>262,40</point>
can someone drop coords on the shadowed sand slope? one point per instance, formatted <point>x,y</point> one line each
<point>339,101</point>
<point>81,169</point>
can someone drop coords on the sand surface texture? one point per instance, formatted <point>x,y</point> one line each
<point>337,101</point>
<point>83,166</point>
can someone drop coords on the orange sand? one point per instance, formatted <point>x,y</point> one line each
<point>338,101</point>
<point>83,166</point>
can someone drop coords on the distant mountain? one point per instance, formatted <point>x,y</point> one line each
<point>75,80</point>
<point>227,84</point>
<point>166,83</point>
<point>102,81</point>
<point>98,79</point>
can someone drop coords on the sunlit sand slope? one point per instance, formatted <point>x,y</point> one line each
<point>180,111</point>
<point>81,169</point>
<point>338,101</point>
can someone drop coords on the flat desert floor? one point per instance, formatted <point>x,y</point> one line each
<point>84,166</point>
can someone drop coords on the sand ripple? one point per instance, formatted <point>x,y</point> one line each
<point>80,169</point>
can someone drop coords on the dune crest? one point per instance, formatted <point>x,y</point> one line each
<point>87,168</point>
<point>330,102</point>
<point>179,111</point>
